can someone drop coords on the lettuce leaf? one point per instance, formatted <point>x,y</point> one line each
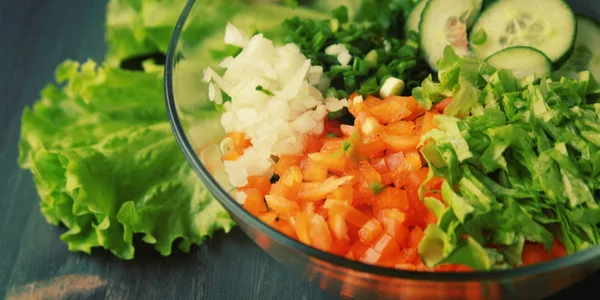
<point>521,167</point>
<point>106,164</point>
<point>137,28</point>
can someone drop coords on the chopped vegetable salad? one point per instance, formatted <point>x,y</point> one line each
<point>343,139</point>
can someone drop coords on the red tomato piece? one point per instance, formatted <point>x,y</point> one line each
<point>370,231</point>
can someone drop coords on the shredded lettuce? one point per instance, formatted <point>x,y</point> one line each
<point>521,167</point>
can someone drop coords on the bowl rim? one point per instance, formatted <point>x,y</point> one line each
<point>236,209</point>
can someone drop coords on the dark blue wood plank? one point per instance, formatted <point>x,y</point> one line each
<point>36,36</point>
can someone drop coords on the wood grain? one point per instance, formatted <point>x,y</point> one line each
<point>35,36</point>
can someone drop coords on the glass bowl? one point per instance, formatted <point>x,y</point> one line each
<point>198,132</point>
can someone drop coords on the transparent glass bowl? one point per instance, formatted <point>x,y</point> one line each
<point>198,133</point>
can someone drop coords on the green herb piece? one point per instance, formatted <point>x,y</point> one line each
<point>375,41</point>
<point>377,187</point>
<point>261,89</point>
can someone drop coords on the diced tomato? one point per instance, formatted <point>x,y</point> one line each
<point>302,226</point>
<point>349,212</point>
<point>338,227</point>
<point>263,183</point>
<point>441,107</point>
<point>340,247</point>
<point>534,253</point>
<point>379,165</point>
<point>428,123</point>
<point>347,130</point>
<point>408,256</point>
<point>463,268</point>
<point>335,164</point>
<point>268,218</point>
<point>333,127</point>
<point>363,192</point>
<point>400,128</point>
<point>355,173</point>
<point>415,108</point>
<point>350,255</point>
<point>285,162</point>
<point>421,266</point>
<point>282,190</point>
<point>371,147</point>
<point>344,193</point>
<point>417,177</point>
<point>371,101</point>
<point>387,179</point>
<point>435,184</point>
<point>371,256</point>
<point>430,218</point>
<point>416,235</point>
<point>313,171</point>
<point>309,208</point>
<point>354,106</point>
<point>390,109</point>
<point>285,227</point>
<point>392,225</point>
<point>367,125</point>
<point>412,162</point>
<point>255,202</point>
<point>370,231</point>
<point>401,143</point>
<point>386,245</point>
<point>358,249</point>
<point>313,144</point>
<point>394,161</point>
<point>320,210</point>
<point>319,233</point>
<point>240,142</point>
<point>391,198</point>
<point>369,172</point>
<point>282,205</point>
<point>414,217</point>
<point>558,250</point>
<point>367,211</point>
<point>315,191</point>
<point>332,144</point>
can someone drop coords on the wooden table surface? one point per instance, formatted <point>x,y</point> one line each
<point>35,36</point>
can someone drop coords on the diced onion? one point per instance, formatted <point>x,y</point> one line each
<point>278,117</point>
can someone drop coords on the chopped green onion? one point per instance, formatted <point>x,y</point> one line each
<point>260,88</point>
<point>377,187</point>
<point>392,86</point>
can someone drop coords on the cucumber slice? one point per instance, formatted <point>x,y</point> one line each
<point>446,22</point>
<point>412,24</point>
<point>586,55</point>
<point>522,61</point>
<point>547,25</point>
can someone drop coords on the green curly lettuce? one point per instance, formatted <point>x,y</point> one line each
<point>107,166</point>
